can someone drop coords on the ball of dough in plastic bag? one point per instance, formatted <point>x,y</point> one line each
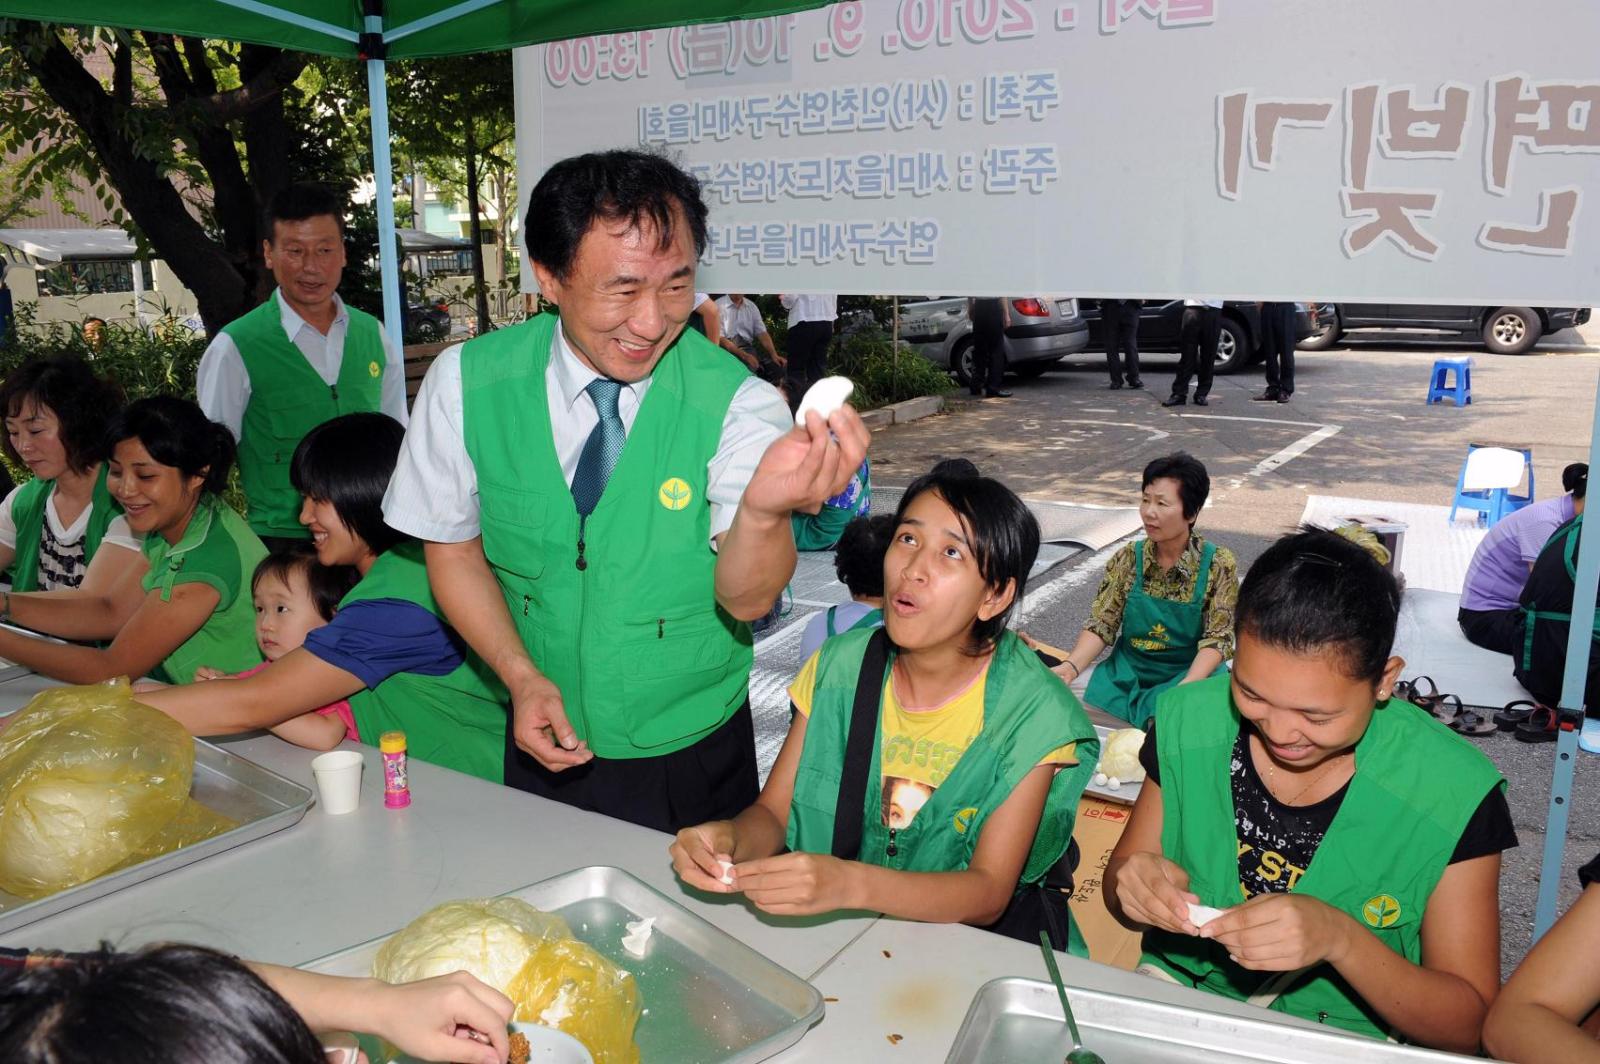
<point>1119,755</point>
<point>569,986</point>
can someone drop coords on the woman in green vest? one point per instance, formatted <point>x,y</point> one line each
<point>189,604</point>
<point>387,648</point>
<point>957,757</point>
<point>1350,841</point>
<point>1165,606</point>
<point>53,526</point>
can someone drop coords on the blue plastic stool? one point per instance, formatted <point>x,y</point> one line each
<point>1491,503</point>
<point>1461,391</point>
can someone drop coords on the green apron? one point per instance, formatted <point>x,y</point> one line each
<point>1155,648</point>
<point>870,619</point>
<point>27,516</point>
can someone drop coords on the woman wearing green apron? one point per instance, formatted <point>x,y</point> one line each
<point>1165,606</point>
<point>189,603</point>
<point>1306,843</point>
<point>53,526</point>
<point>387,649</point>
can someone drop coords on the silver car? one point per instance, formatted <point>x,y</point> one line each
<point>1043,330</point>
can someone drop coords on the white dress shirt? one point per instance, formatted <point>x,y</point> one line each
<point>223,387</point>
<point>741,322</point>
<point>810,308</point>
<point>434,492</point>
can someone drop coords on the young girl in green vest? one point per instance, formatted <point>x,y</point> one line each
<point>959,758</point>
<point>1351,841</point>
<point>53,526</point>
<point>188,605</point>
<point>387,649</point>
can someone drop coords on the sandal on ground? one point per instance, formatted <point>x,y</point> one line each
<point>1473,724</point>
<point>1514,713</point>
<point>1447,709</point>
<point>1413,690</point>
<point>1542,726</point>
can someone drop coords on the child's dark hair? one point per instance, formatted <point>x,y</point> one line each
<point>177,434</point>
<point>1194,483</point>
<point>83,402</point>
<point>348,462</point>
<point>858,556</point>
<point>168,1004</point>
<point>1004,534</point>
<point>1575,479</point>
<point>1316,592</point>
<point>328,583</point>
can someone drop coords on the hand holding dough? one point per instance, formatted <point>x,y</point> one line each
<point>1201,915</point>
<point>825,396</point>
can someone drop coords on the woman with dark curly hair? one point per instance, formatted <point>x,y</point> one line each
<point>52,527</point>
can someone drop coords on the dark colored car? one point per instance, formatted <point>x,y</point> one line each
<point>428,321</point>
<point>1504,330</point>
<point>1238,343</point>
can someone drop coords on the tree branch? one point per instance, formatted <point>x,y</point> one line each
<point>122,72</point>
<point>267,85</point>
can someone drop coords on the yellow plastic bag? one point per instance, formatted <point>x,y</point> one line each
<point>91,780</point>
<point>532,958</point>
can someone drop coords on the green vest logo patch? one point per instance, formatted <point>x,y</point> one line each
<point>374,370</point>
<point>963,819</point>
<point>675,493</point>
<point>1381,911</point>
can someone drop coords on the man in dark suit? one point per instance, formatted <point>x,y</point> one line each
<point>989,320</point>
<point>1197,346</point>
<point>1120,319</point>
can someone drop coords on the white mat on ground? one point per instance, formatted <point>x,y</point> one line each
<point>1436,552</point>
<point>1430,640</point>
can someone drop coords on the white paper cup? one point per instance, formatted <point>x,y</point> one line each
<point>338,775</point>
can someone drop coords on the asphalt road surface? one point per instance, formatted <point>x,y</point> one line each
<point>1358,426</point>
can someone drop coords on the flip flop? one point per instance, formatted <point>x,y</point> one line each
<point>1542,726</point>
<point>1447,709</point>
<point>1508,718</point>
<point>1410,690</point>
<point>1473,724</point>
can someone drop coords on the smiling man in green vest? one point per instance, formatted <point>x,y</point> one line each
<point>606,499</point>
<point>297,360</point>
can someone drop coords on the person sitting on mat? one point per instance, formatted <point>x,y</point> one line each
<point>1550,1007</point>
<point>1491,597</point>
<point>956,757</point>
<point>858,561</point>
<point>1539,638</point>
<point>1166,601</point>
<point>1351,840</point>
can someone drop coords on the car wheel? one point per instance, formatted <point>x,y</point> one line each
<point>963,362</point>
<point>1233,347</point>
<point>1511,331</point>
<point>1031,370</point>
<point>1323,338</point>
<point>429,330</point>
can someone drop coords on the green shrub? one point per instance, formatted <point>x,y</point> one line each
<point>881,377</point>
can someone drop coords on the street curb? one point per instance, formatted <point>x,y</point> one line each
<point>915,409</point>
<point>881,418</point>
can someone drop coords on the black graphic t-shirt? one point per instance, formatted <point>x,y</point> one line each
<point>1277,841</point>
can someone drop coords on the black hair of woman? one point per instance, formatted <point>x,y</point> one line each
<point>1194,483</point>
<point>961,467</point>
<point>83,402</point>
<point>178,434</point>
<point>858,556</point>
<point>328,584</point>
<point>1004,534</point>
<point>348,462</point>
<point>1314,592</point>
<point>1575,479</point>
<point>169,1004</point>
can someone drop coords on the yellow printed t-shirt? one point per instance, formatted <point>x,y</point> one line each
<point>920,746</point>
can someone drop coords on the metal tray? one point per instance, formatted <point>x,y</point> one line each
<point>261,801</point>
<point>1012,1021</point>
<point>708,998</point>
<point>1128,793</point>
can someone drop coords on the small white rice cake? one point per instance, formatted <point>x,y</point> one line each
<point>825,396</point>
<point>638,936</point>
<point>1201,915</point>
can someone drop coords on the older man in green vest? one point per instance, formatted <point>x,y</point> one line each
<point>605,497</point>
<point>298,359</point>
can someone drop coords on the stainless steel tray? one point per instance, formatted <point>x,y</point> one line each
<point>261,801</point>
<point>1127,794</point>
<point>1012,1021</point>
<point>708,998</point>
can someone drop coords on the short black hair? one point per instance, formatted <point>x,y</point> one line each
<point>1575,479</point>
<point>613,186</point>
<point>956,467</point>
<point>83,402</point>
<point>178,434</point>
<point>299,201</point>
<point>348,462</point>
<point>858,556</point>
<point>165,1004</point>
<point>1005,536</point>
<point>1194,483</point>
<point>328,584</point>
<point>1316,592</point>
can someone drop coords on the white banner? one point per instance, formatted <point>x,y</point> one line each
<point>1353,150</point>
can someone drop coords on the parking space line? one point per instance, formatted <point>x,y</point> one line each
<point>1262,420</point>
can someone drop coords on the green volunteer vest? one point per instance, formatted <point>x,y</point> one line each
<point>1416,785</point>
<point>624,620</point>
<point>871,619</point>
<point>288,399</point>
<point>227,640</point>
<point>27,514</point>
<point>1027,712</point>
<point>457,720</point>
<point>1564,539</point>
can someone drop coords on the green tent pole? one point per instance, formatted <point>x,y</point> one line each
<point>372,49</point>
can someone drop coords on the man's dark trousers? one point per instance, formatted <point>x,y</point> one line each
<point>1197,347</point>
<point>1277,322</point>
<point>808,357</point>
<point>1120,320</point>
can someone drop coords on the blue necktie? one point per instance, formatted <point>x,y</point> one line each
<point>601,449</point>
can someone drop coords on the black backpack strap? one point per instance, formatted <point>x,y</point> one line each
<point>853,780</point>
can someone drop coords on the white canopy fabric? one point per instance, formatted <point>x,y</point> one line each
<point>47,247</point>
